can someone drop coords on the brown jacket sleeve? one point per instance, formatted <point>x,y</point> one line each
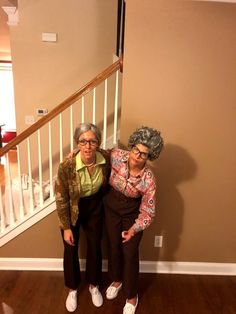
<point>62,196</point>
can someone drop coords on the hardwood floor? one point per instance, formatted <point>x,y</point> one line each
<point>32,292</point>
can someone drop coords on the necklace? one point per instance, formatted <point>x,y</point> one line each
<point>90,165</point>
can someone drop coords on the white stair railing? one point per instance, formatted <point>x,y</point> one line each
<point>10,213</point>
<point>28,194</point>
<point>40,169</point>
<point>94,105</point>
<point>21,206</point>
<point>2,214</point>
<point>61,137</point>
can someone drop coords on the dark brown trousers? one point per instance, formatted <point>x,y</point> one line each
<point>123,258</point>
<point>91,220</point>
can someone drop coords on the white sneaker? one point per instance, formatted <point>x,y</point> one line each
<point>112,291</point>
<point>96,296</point>
<point>71,301</point>
<point>130,308</point>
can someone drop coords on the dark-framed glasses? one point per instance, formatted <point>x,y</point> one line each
<point>142,155</point>
<point>92,142</point>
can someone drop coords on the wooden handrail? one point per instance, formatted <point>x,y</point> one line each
<point>62,106</point>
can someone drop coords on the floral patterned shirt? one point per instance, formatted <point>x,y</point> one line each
<point>134,186</point>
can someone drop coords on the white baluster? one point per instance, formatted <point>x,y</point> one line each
<point>2,216</point>
<point>50,160</point>
<point>40,170</point>
<point>61,138</point>
<point>9,184</point>
<point>22,207</point>
<point>94,105</point>
<point>116,109</point>
<point>71,129</point>
<point>105,116</point>
<point>31,192</point>
<point>82,110</point>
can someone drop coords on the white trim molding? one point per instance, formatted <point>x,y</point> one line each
<point>188,268</point>
<point>225,1</point>
<point>162,267</point>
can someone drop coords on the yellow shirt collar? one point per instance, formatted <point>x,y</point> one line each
<point>100,160</point>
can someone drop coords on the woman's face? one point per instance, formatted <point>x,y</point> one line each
<point>139,155</point>
<point>88,144</point>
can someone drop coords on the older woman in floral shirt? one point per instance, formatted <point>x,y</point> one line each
<point>129,209</point>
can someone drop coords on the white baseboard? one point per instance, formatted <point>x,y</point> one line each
<point>194,268</point>
<point>187,268</point>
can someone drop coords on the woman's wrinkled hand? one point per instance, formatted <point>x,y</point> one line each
<point>127,235</point>
<point>68,237</point>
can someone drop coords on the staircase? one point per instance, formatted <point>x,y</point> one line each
<point>27,189</point>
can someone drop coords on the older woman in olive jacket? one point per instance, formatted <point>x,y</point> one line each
<point>80,185</point>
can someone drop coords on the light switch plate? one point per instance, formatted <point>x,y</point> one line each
<point>49,37</point>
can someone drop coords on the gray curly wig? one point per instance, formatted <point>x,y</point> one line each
<point>148,137</point>
<point>85,127</point>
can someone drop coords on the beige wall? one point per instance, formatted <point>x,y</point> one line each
<point>180,77</point>
<point>46,73</point>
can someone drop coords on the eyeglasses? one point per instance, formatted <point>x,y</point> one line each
<point>84,142</point>
<point>142,155</point>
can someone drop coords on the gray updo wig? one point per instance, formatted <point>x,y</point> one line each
<point>148,137</point>
<point>85,127</point>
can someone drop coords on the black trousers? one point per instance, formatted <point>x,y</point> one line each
<point>123,258</point>
<point>91,220</point>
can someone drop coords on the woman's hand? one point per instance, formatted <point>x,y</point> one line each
<point>127,235</point>
<point>68,237</point>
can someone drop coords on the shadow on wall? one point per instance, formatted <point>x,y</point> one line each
<point>173,167</point>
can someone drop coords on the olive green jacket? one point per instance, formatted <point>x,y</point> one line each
<point>67,188</point>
